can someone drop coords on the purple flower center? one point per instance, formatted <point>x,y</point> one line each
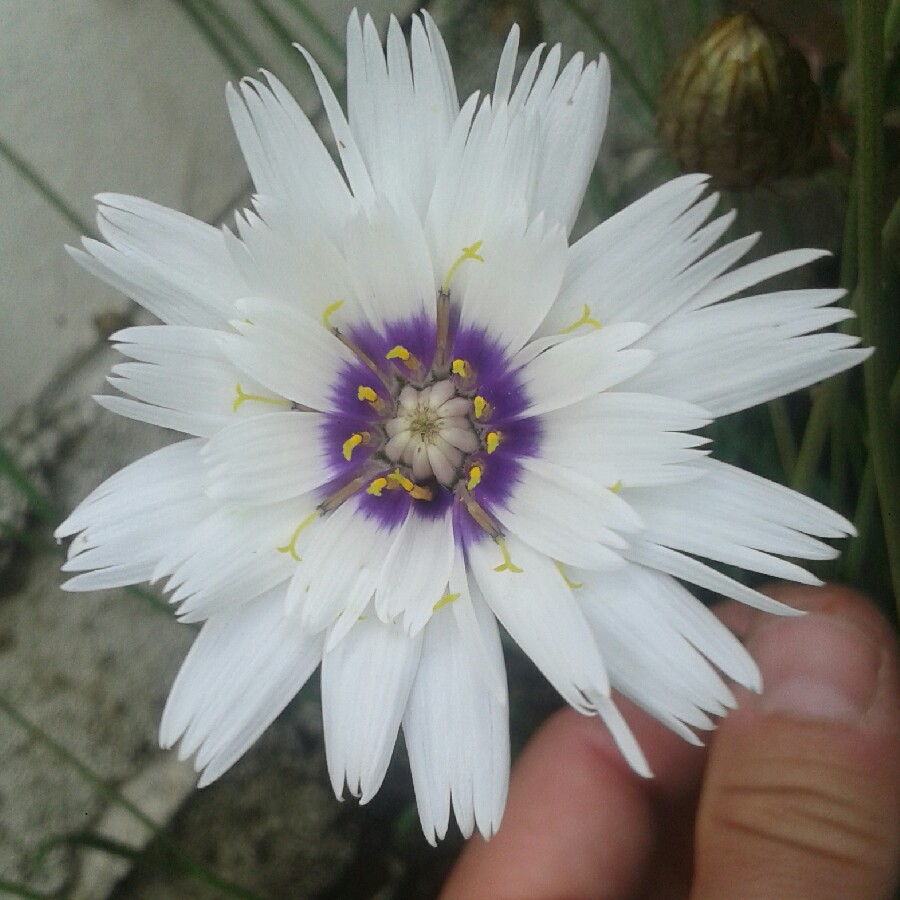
<point>429,417</point>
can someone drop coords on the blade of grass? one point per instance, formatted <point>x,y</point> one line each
<point>615,54</point>
<point>193,869</point>
<point>21,890</point>
<point>873,304</point>
<point>319,28</point>
<point>202,18</point>
<point>40,184</point>
<point>37,502</point>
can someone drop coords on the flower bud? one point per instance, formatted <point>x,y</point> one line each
<point>741,105</point>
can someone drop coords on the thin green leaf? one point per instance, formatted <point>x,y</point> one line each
<point>37,502</point>
<point>318,27</point>
<point>40,184</point>
<point>619,62</point>
<point>22,890</point>
<point>192,868</point>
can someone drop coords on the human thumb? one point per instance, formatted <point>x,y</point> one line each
<point>802,793</point>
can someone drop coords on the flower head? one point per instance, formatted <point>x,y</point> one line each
<point>415,409</point>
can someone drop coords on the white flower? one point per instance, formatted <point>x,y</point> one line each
<point>415,409</point>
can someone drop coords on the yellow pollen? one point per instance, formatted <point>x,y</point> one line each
<point>493,441</point>
<point>377,486</point>
<point>352,442</point>
<point>446,600</point>
<point>400,352</point>
<point>290,546</point>
<point>398,478</point>
<point>242,397</point>
<point>616,487</point>
<point>507,565</point>
<point>467,253</point>
<point>482,407</point>
<point>572,584</point>
<point>474,477</point>
<point>584,320</point>
<point>366,393</point>
<point>329,312</point>
<point>461,367</point>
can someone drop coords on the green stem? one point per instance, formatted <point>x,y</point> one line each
<point>193,869</point>
<point>20,890</point>
<point>201,16</point>
<point>616,56</point>
<point>41,506</point>
<point>814,436</point>
<point>318,27</point>
<point>873,303</point>
<point>892,26</point>
<point>784,435</point>
<point>862,521</point>
<point>44,189</point>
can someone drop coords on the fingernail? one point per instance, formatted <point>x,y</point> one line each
<point>817,668</point>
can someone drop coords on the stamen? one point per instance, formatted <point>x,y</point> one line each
<point>290,546</point>
<point>467,253</point>
<point>475,473</point>
<point>445,601</point>
<point>584,320</point>
<point>329,311</point>
<point>377,486</point>
<point>616,487</point>
<point>575,585</point>
<point>408,359</point>
<point>462,368</point>
<point>493,441</point>
<point>352,442</point>
<point>416,491</point>
<point>507,565</point>
<point>482,519</point>
<point>442,341</point>
<point>242,397</point>
<point>333,501</point>
<point>482,408</point>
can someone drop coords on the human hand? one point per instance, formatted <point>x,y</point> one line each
<point>797,795</point>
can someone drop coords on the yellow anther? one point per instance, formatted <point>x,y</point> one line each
<point>616,487</point>
<point>398,478</point>
<point>507,565</point>
<point>461,367</point>
<point>416,491</point>
<point>467,253</point>
<point>475,474</point>
<point>492,440</point>
<point>572,584</point>
<point>482,407</point>
<point>446,600</point>
<point>290,546</point>
<point>366,393</point>
<point>377,486</point>
<point>242,397</point>
<point>399,352</point>
<point>584,320</point>
<point>329,312</point>
<point>352,442</point>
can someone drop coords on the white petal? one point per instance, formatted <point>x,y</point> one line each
<point>583,366</point>
<point>521,272</point>
<point>242,670</point>
<point>268,348</point>
<point>539,611</point>
<point>456,731</point>
<point>285,155</point>
<point>268,458</point>
<point>416,570</point>
<point>366,681</point>
<point>175,266</point>
<point>567,516</point>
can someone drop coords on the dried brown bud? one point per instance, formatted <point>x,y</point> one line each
<point>741,105</point>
